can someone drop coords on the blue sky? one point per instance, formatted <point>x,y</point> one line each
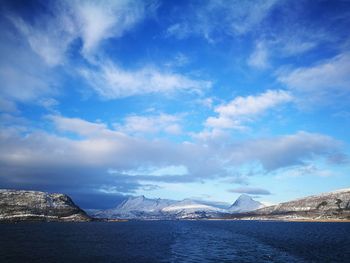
<point>175,99</point>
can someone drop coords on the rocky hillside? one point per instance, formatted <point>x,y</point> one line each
<point>328,206</point>
<point>21,205</point>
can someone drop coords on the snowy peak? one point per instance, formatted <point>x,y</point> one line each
<point>189,206</point>
<point>141,203</point>
<point>245,203</point>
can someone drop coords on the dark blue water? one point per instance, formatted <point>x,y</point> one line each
<point>175,241</point>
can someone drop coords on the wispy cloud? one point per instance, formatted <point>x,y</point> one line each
<point>100,20</point>
<point>304,170</point>
<point>111,82</point>
<point>250,190</point>
<point>321,82</point>
<point>153,124</point>
<point>24,76</point>
<point>212,17</point>
<point>243,109</point>
<point>259,57</point>
<point>50,36</point>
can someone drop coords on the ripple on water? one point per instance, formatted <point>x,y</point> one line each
<point>193,243</point>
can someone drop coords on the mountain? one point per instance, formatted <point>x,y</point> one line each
<point>138,207</point>
<point>327,206</point>
<point>191,209</point>
<point>19,205</point>
<point>141,207</point>
<point>244,203</point>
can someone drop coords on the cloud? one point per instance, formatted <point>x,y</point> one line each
<point>99,158</point>
<point>282,151</point>
<point>211,18</point>
<point>7,106</point>
<point>250,190</point>
<point>111,81</point>
<point>304,170</point>
<point>50,36</point>
<point>321,82</point>
<point>259,57</point>
<point>135,124</point>
<point>24,76</point>
<point>242,109</point>
<point>100,20</point>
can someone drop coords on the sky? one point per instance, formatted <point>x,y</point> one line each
<point>175,99</point>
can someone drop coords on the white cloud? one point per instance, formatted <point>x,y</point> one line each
<point>136,124</point>
<point>259,57</point>
<point>49,38</point>
<point>81,127</point>
<point>321,82</point>
<point>283,151</point>
<point>91,21</point>
<point>24,76</point>
<point>242,109</point>
<point>112,82</point>
<point>170,170</point>
<point>100,20</point>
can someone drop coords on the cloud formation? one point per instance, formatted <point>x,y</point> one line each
<point>111,82</point>
<point>102,158</point>
<point>282,151</point>
<point>50,36</point>
<point>250,190</point>
<point>153,124</point>
<point>242,109</point>
<point>259,57</point>
<point>210,18</point>
<point>321,82</point>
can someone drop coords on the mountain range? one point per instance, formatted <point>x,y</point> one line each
<point>141,207</point>
<point>21,205</point>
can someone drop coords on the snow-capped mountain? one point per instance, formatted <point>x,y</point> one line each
<point>244,203</point>
<point>141,207</point>
<point>136,207</point>
<point>141,203</point>
<point>189,208</point>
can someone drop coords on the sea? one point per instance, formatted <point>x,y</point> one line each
<point>175,241</point>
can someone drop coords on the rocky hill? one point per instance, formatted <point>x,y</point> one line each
<point>19,205</point>
<point>327,206</point>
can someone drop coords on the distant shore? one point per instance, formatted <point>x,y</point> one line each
<point>284,220</point>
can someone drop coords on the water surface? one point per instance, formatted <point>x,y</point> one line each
<point>176,241</point>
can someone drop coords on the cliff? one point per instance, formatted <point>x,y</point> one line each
<point>19,205</point>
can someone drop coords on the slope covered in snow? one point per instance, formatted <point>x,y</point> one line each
<point>244,203</point>
<point>141,207</point>
<point>136,207</point>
